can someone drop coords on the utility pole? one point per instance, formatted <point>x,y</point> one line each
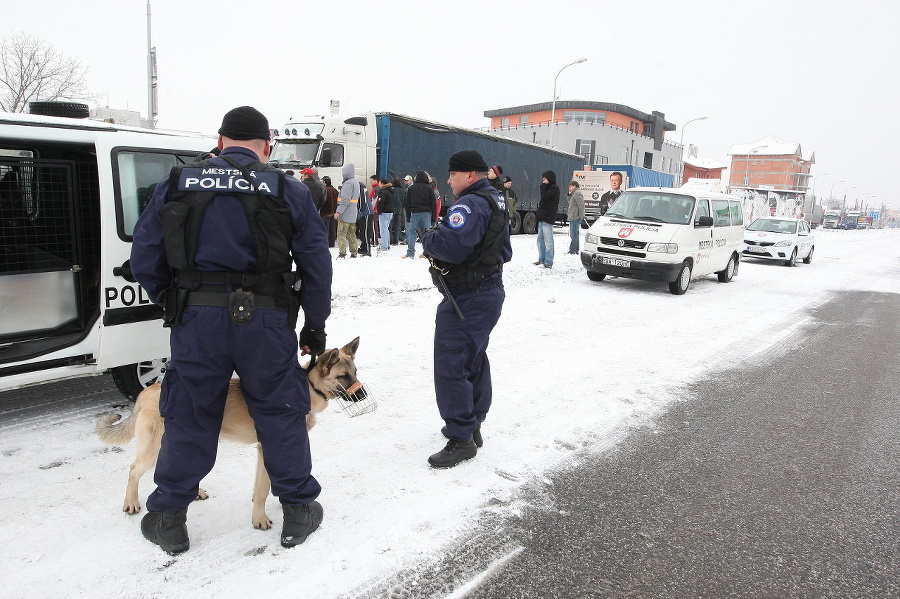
<point>152,97</point>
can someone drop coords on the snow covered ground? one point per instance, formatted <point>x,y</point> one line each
<point>576,365</point>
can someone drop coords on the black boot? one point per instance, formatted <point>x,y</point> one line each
<point>476,436</point>
<point>167,529</point>
<point>299,522</point>
<point>454,453</point>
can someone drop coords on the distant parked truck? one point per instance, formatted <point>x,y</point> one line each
<point>851,219</point>
<point>392,145</point>
<point>831,219</point>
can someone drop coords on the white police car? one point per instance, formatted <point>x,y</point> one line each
<point>779,238</point>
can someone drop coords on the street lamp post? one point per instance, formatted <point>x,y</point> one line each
<point>683,127</point>
<point>553,107</point>
<point>681,143</point>
<point>831,193</point>
<point>747,165</point>
<point>814,184</point>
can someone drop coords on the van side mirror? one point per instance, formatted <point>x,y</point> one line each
<point>704,221</point>
<point>325,158</point>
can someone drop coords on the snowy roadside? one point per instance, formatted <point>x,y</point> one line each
<point>574,363</point>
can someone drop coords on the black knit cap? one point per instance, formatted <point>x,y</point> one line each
<point>243,123</point>
<point>466,161</point>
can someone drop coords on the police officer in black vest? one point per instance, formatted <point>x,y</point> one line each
<point>232,249</point>
<point>467,251</point>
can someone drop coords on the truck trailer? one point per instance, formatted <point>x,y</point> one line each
<point>391,145</point>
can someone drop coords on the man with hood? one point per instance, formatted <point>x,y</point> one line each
<point>347,211</point>
<point>420,209</point>
<point>467,252</point>
<point>546,216</point>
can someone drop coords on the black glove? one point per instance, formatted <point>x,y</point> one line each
<point>312,341</point>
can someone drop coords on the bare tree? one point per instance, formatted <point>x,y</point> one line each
<point>32,70</point>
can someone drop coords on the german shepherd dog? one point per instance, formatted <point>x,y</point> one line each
<point>332,373</point>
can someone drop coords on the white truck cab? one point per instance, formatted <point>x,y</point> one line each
<point>70,193</point>
<point>663,234</point>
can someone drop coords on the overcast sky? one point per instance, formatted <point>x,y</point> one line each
<point>818,72</point>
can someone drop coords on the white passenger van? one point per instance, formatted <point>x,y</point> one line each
<point>70,193</point>
<point>662,234</point>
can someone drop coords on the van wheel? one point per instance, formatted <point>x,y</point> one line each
<point>131,379</point>
<point>595,276</point>
<point>792,261</point>
<point>529,224</point>
<point>680,285</point>
<point>515,223</point>
<point>75,110</point>
<point>808,258</point>
<point>726,275</point>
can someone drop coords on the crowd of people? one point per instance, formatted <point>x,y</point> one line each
<point>391,212</point>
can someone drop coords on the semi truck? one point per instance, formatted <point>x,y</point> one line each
<point>831,219</point>
<point>391,145</point>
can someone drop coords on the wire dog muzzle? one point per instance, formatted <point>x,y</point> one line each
<point>355,400</point>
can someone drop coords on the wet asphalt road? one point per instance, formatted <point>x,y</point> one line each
<point>778,481</point>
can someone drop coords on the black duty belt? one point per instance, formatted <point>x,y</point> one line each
<point>220,299</point>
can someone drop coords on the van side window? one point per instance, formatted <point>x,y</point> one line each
<point>722,217</point>
<point>737,215</point>
<point>702,209</point>
<point>137,173</point>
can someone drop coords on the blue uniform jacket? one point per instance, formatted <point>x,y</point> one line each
<point>226,243</point>
<point>464,227</point>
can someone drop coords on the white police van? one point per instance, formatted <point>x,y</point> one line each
<point>662,234</point>
<point>71,190</point>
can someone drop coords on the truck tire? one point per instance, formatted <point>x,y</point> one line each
<point>680,285</point>
<point>595,276</point>
<point>726,275</point>
<point>515,223</point>
<point>529,223</point>
<point>74,110</point>
<point>131,379</point>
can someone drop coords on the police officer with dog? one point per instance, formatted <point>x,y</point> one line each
<point>467,251</point>
<point>232,249</point>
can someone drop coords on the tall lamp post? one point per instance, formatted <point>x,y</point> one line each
<point>831,193</point>
<point>681,143</point>
<point>553,108</point>
<point>747,165</point>
<point>683,127</point>
<point>813,187</point>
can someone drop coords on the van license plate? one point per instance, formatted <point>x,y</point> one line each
<point>615,262</point>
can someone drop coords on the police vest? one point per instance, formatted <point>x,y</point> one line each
<point>192,187</point>
<point>486,258</point>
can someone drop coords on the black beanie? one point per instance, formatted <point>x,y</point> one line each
<point>466,161</point>
<point>243,123</point>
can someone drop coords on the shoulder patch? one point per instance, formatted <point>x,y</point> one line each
<point>456,219</point>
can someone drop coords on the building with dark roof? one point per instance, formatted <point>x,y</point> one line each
<point>602,132</point>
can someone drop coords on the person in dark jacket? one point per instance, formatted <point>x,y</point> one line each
<point>546,216</point>
<point>398,188</point>
<point>467,252</point>
<point>328,209</point>
<point>228,284</point>
<point>495,178</point>
<point>420,209</point>
<point>384,208</point>
<point>311,178</point>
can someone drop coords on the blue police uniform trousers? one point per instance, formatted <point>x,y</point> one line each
<point>207,347</point>
<point>462,371</point>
